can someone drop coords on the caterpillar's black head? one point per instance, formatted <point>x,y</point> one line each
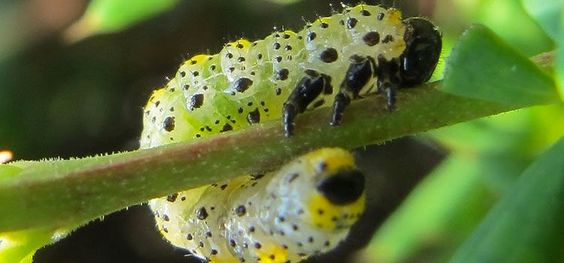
<point>423,47</point>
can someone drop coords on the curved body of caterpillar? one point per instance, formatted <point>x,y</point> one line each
<point>305,208</point>
<point>365,49</point>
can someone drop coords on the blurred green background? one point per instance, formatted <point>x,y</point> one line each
<point>60,98</point>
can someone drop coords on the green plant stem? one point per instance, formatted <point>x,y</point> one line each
<point>67,192</point>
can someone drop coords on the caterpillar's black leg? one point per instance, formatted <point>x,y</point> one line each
<point>310,87</point>
<point>359,73</point>
<point>388,80</point>
<point>390,97</point>
<point>389,91</point>
<point>290,113</point>
<point>341,101</point>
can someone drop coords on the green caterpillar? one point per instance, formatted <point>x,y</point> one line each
<point>333,60</point>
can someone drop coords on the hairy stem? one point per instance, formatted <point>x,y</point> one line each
<point>68,192</point>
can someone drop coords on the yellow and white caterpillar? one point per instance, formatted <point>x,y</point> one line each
<point>362,50</point>
<point>305,208</point>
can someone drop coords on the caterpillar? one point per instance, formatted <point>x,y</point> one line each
<point>305,208</point>
<point>360,51</point>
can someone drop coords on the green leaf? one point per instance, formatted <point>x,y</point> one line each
<point>105,16</point>
<point>550,17</point>
<point>525,132</point>
<point>560,67</point>
<point>501,16</point>
<point>436,215</point>
<point>527,224</point>
<point>487,155</point>
<point>548,14</point>
<point>20,246</point>
<point>482,66</point>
